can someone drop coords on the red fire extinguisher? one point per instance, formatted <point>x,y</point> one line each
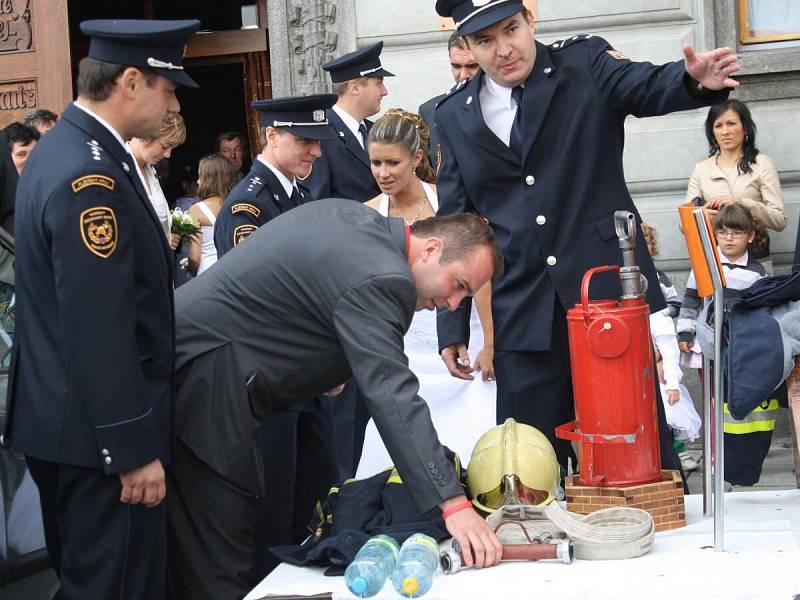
<point>613,377</point>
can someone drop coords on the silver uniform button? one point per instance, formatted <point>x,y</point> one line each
<point>551,260</point>
<point>541,220</point>
<point>555,45</point>
<point>105,452</point>
<point>530,180</point>
<point>108,460</point>
<point>547,70</point>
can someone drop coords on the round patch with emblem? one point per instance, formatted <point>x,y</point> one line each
<point>99,230</point>
<point>616,55</point>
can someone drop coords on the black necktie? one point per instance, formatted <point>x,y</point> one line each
<point>515,142</point>
<point>362,129</point>
<point>296,198</point>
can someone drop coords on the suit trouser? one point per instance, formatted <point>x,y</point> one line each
<point>350,417</point>
<point>299,469</point>
<point>100,547</point>
<point>212,532</point>
<point>536,388</point>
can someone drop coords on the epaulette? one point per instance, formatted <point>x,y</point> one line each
<point>254,185</point>
<point>453,91</point>
<point>561,44</point>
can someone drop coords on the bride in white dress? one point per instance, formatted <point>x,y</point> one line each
<point>461,410</point>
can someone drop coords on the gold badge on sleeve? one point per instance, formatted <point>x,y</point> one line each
<point>241,232</point>
<point>245,207</point>
<point>99,230</point>
<point>616,55</point>
<point>89,180</point>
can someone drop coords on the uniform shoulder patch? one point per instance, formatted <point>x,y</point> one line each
<point>242,232</point>
<point>99,230</point>
<point>81,183</point>
<point>616,55</point>
<point>245,207</point>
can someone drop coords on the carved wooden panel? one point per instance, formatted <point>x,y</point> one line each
<point>16,34</point>
<point>18,95</point>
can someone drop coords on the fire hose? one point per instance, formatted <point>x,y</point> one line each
<point>532,532</point>
<point>606,534</point>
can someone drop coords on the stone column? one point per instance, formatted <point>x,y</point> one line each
<point>304,34</point>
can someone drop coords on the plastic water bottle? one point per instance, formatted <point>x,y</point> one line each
<point>418,561</point>
<point>372,566</point>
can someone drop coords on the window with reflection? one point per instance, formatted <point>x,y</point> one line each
<point>765,21</point>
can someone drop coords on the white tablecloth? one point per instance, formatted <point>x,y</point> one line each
<point>761,561</point>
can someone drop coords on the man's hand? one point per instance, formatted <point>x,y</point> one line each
<point>479,545</point>
<point>685,346</point>
<point>144,485</point>
<point>673,397</point>
<point>456,359</point>
<point>712,69</point>
<point>484,363</point>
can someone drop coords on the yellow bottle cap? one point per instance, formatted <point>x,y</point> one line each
<point>410,586</point>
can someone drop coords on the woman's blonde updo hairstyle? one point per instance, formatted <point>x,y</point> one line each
<point>399,126</point>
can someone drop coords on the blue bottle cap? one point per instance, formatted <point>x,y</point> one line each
<point>358,586</point>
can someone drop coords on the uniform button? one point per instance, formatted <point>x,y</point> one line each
<point>551,260</point>
<point>547,70</point>
<point>556,45</point>
<point>441,483</point>
<point>105,452</point>
<point>541,220</point>
<point>530,180</point>
<point>431,466</point>
<point>108,460</point>
<point>435,471</point>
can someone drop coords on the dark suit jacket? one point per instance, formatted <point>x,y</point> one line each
<point>92,367</point>
<point>343,169</point>
<point>316,295</point>
<point>557,200</point>
<point>426,111</point>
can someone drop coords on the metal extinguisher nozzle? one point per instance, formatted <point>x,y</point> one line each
<point>630,277</point>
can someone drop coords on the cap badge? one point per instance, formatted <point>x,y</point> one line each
<point>319,116</point>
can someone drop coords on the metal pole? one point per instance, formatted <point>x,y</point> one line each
<point>707,432</point>
<point>719,392</point>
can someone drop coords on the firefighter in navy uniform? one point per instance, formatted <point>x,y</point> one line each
<point>269,190</point>
<point>91,387</point>
<point>297,443</point>
<point>343,171</point>
<point>534,143</point>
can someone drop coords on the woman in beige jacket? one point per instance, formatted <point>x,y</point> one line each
<point>737,172</point>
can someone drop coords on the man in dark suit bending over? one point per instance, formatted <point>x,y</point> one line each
<point>319,294</point>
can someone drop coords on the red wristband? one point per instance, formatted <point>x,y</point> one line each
<point>457,508</point>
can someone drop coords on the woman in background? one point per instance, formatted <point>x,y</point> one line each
<point>146,153</point>
<point>216,177</point>
<point>736,172</point>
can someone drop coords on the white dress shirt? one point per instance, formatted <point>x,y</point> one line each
<point>499,109</point>
<point>351,124</point>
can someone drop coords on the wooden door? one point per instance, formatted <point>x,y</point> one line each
<point>35,67</point>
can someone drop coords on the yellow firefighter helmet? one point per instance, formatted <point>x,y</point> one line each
<point>513,464</point>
